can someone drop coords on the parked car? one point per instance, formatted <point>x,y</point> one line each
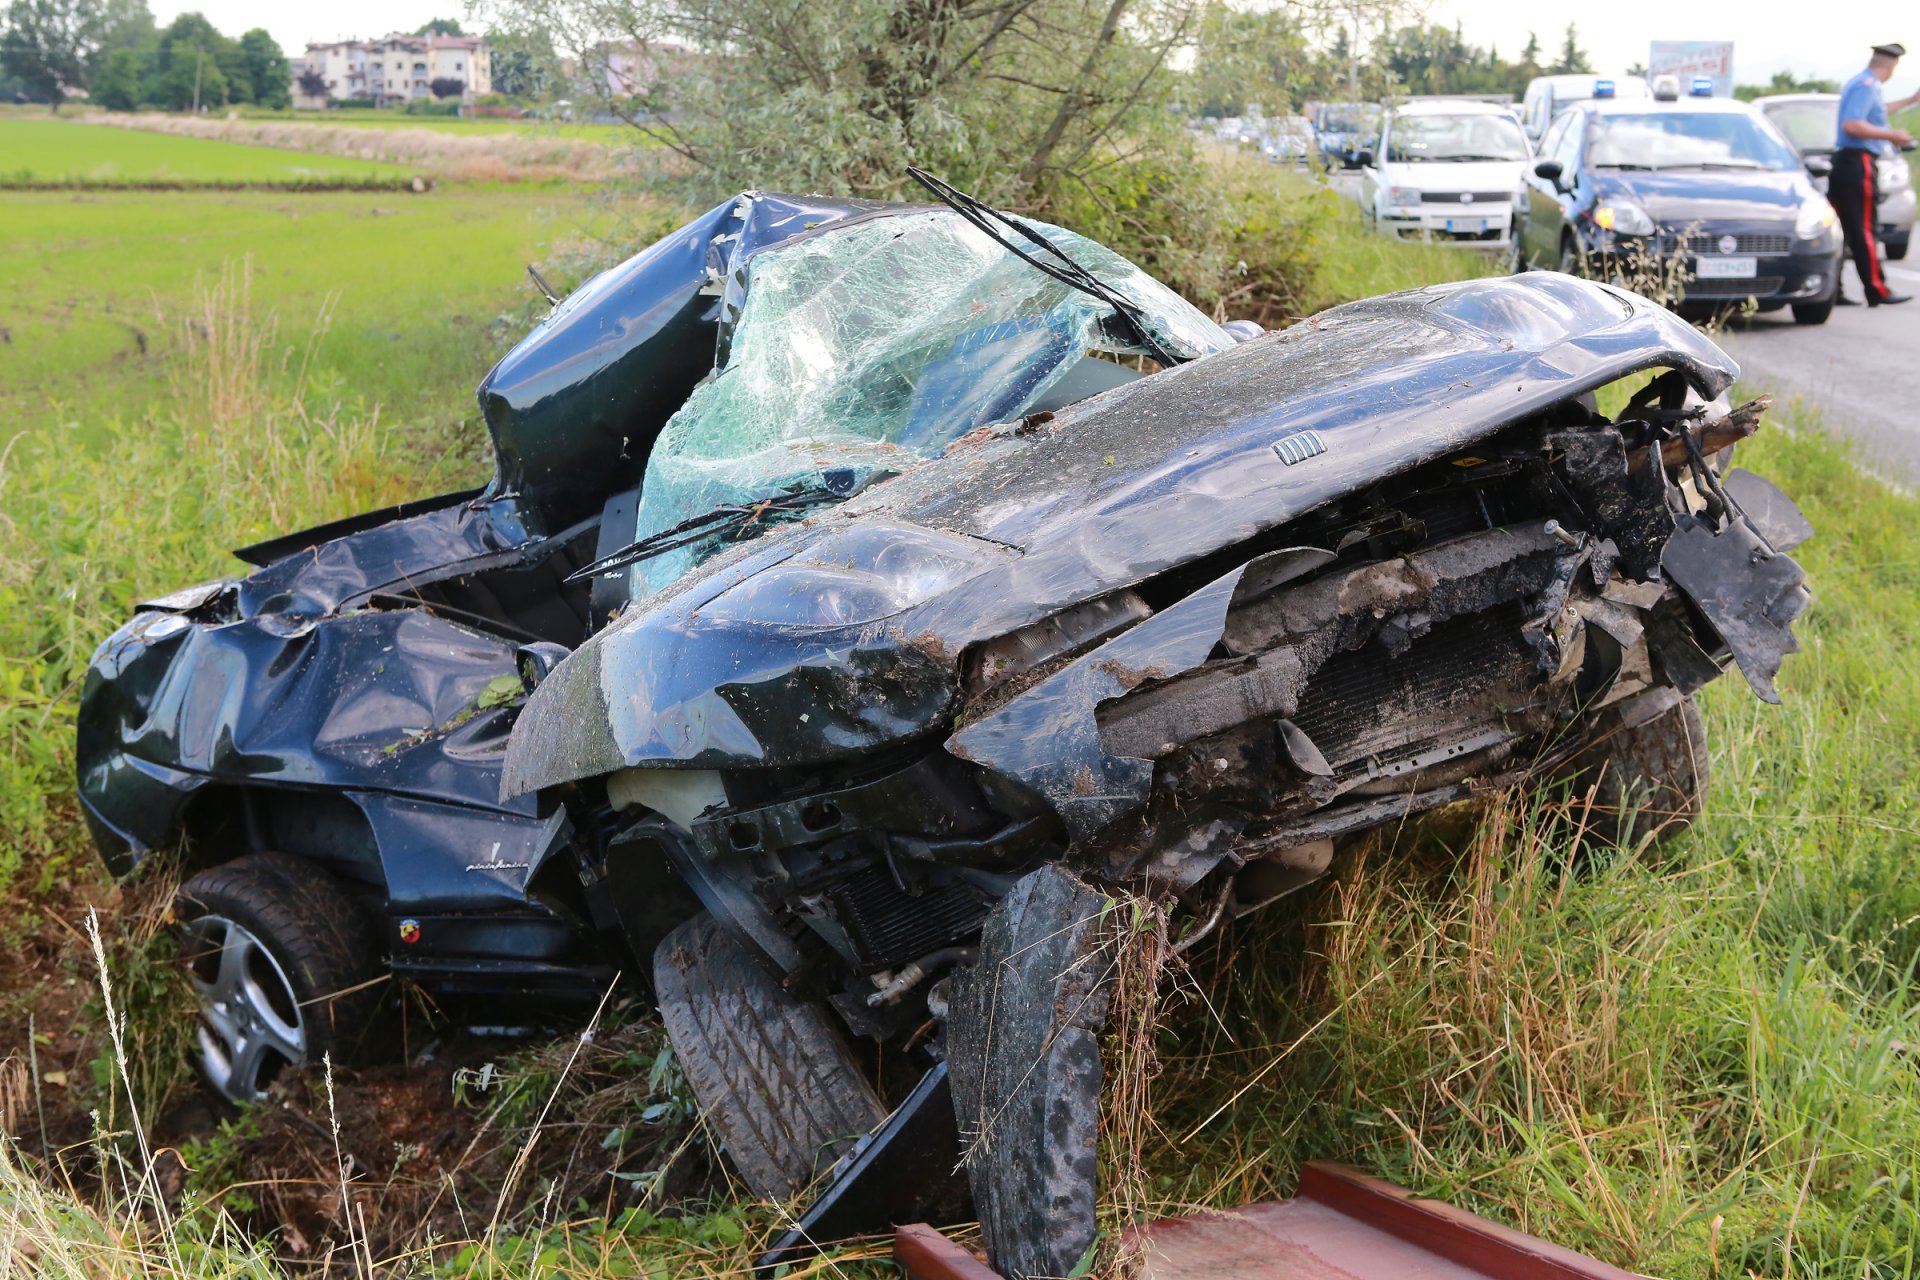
<point>1700,184</point>
<point>1288,140</point>
<point>1445,170</point>
<point>866,592</point>
<point>1346,128</point>
<point>1547,96</point>
<point>1811,122</point>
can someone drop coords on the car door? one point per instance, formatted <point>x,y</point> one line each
<point>1553,202</point>
<point>1540,232</point>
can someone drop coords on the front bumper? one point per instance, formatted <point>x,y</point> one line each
<point>1765,264</point>
<point>1473,226</point>
<point>1893,215</point>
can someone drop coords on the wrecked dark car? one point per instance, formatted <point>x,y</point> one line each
<point>869,592</point>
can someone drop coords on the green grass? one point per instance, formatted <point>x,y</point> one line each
<point>100,288</point>
<point>47,151</point>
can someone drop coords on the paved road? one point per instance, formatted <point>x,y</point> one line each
<point>1862,368</point>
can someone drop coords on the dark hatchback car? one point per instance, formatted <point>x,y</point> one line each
<point>1704,185</point>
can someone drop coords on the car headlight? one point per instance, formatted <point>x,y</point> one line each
<point>860,574</point>
<point>1403,197</point>
<point>1624,219</point>
<point>1815,221</point>
<point>1891,174</point>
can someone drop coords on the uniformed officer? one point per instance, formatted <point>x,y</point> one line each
<point>1863,139</point>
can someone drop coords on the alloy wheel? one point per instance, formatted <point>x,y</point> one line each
<point>250,1022</point>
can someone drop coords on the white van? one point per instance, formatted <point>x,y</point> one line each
<point>1445,169</point>
<point>1547,94</point>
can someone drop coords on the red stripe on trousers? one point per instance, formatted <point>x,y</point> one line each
<point>1866,216</point>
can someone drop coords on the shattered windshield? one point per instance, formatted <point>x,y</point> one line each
<point>867,348</point>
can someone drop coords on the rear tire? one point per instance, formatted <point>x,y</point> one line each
<point>1648,782</point>
<point>1813,312</point>
<point>773,1074</point>
<point>285,963</point>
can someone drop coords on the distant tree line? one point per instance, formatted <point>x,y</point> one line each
<point>1281,57</point>
<point>112,50</point>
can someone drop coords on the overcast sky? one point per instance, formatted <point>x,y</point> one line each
<point>1830,39</point>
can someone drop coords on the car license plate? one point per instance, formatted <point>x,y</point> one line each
<point>1725,269</point>
<point>1466,224</point>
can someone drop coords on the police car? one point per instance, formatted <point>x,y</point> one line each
<point>1631,189</point>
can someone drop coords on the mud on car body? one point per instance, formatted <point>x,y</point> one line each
<point>944,620</point>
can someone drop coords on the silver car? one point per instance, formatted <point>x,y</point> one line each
<point>1811,122</point>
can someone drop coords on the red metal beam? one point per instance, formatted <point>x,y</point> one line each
<point>1497,1252</point>
<point>924,1254</point>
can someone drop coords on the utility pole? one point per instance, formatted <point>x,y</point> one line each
<point>1353,56</point>
<point>199,58</point>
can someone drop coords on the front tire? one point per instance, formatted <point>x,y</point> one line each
<point>1813,312</point>
<point>773,1075</point>
<point>1897,248</point>
<point>1644,783</point>
<point>286,965</point>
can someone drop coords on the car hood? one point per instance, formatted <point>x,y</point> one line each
<point>1111,492</point>
<point>1681,197</point>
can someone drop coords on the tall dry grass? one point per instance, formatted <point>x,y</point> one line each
<point>484,157</point>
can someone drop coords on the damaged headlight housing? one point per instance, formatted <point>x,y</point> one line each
<point>1624,218</point>
<point>1816,221</point>
<point>856,575</point>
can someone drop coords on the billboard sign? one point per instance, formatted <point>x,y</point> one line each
<point>1685,59</point>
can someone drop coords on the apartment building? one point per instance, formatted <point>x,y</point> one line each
<point>395,69</point>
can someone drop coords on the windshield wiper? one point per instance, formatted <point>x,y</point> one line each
<point>1061,267</point>
<point>1472,155</point>
<point>1719,164</point>
<point>733,521</point>
<point>1624,164</point>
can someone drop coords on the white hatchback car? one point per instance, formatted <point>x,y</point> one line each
<point>1445,169</point>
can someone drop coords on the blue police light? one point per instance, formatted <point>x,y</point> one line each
<point>1603,88</point>
<point>1702,87</point>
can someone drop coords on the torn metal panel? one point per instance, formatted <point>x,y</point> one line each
<point>574,407</point>
<point>1048,737</point>
<point>1748,591</point>
<point>1772,512</point>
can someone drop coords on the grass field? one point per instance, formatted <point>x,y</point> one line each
<point>368,118</point>
<point>46,150</point>
<point>101,287</point>
<point>1697,1065</point>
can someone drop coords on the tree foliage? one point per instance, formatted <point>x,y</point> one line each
<point>440,27</point>
<point>447,86</point>
<point>525,64</point>
<point>1573,59</point>
<point>188,60</point>
<point>1785,82</point>
<point>1016,99</point>
<point>313,84</point>
<point>50,46</point>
